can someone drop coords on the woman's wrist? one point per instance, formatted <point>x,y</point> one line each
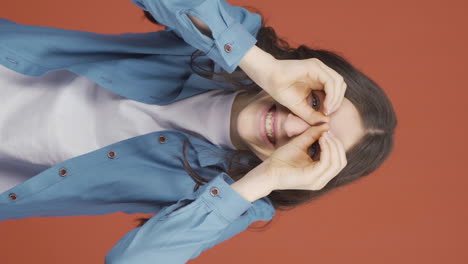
<point>252,186</point>
<point>259,65</point>
<point>256,63</point>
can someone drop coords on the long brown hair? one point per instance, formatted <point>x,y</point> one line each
<point>374,107</point>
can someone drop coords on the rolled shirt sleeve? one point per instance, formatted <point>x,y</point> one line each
<point>183,230</point>
<point>233,28</point>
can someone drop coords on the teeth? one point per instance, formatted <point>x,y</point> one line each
<point>269,125</point>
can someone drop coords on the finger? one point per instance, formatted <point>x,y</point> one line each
<point>337,94</point>
<point>328,84</point>
<point>336,162</point>
<point>316,170</point>
<point>330,164</point>
<point>335,154</point>
<point>312,134</point>
<point>341,97</point>
<point>305,111</point>
<point>324,78</point>
<point>338,87</point>
<point>331,92</point>
<point>341,151</point>
<point>324,161</point>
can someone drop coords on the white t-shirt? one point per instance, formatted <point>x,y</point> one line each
<point>48,119</point>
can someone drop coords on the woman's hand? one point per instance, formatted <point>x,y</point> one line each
<point>291,82</point>
<point>290,167</point>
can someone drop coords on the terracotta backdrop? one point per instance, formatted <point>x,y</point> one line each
<point>412,210</point>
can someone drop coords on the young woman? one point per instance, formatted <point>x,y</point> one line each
<point>141,123</point>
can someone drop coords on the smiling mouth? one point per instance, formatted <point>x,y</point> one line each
<point>269,124</point>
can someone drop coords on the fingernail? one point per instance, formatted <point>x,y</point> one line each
<point>329,108</point>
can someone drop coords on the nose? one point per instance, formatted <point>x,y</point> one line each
<point>294,125</point>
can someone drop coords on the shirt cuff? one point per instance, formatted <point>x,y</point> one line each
<point>220,197</point>
<point>231,46</point>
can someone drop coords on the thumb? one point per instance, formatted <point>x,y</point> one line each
<point>308,137</point>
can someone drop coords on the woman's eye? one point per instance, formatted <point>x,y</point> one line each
<point>315,101</point>
<point>314,151</point>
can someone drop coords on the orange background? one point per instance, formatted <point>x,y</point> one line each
<point>412,210</point>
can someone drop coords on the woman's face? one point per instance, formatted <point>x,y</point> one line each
<point>254,125</point>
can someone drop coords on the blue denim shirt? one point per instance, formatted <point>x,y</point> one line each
<point>145,174</point>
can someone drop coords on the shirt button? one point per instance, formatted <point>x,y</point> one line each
<point>63,172</point>
<point>162,139</point>
<point>228,48</point>
<point>214,191</point>
<point>13,196</point>
<point>111,154</point>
